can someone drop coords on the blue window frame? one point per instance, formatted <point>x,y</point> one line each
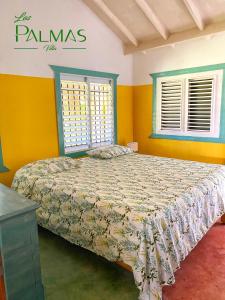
<point>158,78</point>
<point>86,109</point>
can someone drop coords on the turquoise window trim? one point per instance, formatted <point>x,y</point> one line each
<point>59,70</point>
<point>155,76</point>
<point>3,169</point>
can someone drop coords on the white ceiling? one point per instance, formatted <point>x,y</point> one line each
<point>143,24</point>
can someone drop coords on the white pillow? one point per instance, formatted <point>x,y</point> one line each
<point>108,152</point>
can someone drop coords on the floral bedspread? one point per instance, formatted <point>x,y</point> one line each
<point>146,211</point>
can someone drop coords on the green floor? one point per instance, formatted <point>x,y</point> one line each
<point>72,273</point>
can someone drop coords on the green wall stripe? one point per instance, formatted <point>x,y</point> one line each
<point>155,76</point>
<point>59,113</point>
<point>68,70</point>
<point>59,70</point>
<point>189,70</point>
<point>115,108</point>
<point>2,167</point>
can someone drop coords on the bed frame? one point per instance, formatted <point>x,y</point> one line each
<point>128,268</point>
<point>223,219</point>
<point>124,266</point>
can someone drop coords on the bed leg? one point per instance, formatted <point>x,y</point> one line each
<point>223,219</point>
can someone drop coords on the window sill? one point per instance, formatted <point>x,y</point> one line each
<point>75,154</point>
<point>220,140</point>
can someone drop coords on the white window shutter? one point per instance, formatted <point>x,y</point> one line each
<point>75,113</point>
<point>101,113</point>
<point>87,112</point>
<point>200,96</point>
<point>171,104</point>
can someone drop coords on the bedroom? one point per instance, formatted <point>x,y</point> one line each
<point>47,80</point>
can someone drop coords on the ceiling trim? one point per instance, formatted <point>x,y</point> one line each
<point>152,17</point>
<point>177,37</point>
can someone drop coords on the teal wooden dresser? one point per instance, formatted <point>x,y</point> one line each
<point>19,248</point>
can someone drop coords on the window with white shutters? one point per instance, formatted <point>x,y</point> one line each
<point>87,112</point>
<point>200,97</point>
<point>171,100</point>
<point>189,104</point>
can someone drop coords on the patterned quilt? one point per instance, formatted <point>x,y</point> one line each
<point>146,211</point>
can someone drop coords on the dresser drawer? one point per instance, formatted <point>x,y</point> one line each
<point>23,258</point>
<point>21,280</point>
<point>19,247</point>
<point>32,292</point>
<point>18,233</point>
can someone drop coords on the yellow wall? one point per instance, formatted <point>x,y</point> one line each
<point>28,125</point>
<point>125,114</point>
<point>142,108</point>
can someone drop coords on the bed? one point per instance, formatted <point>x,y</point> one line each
<point>145,211</point>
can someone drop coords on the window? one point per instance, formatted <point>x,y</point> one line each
<point>86,103</point>
<point>188,105</point>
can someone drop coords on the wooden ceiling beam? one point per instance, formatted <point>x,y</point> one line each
<point>195,14</point>
<point>153,18</point>
<point>113,18</point>
<point>177,37</point>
